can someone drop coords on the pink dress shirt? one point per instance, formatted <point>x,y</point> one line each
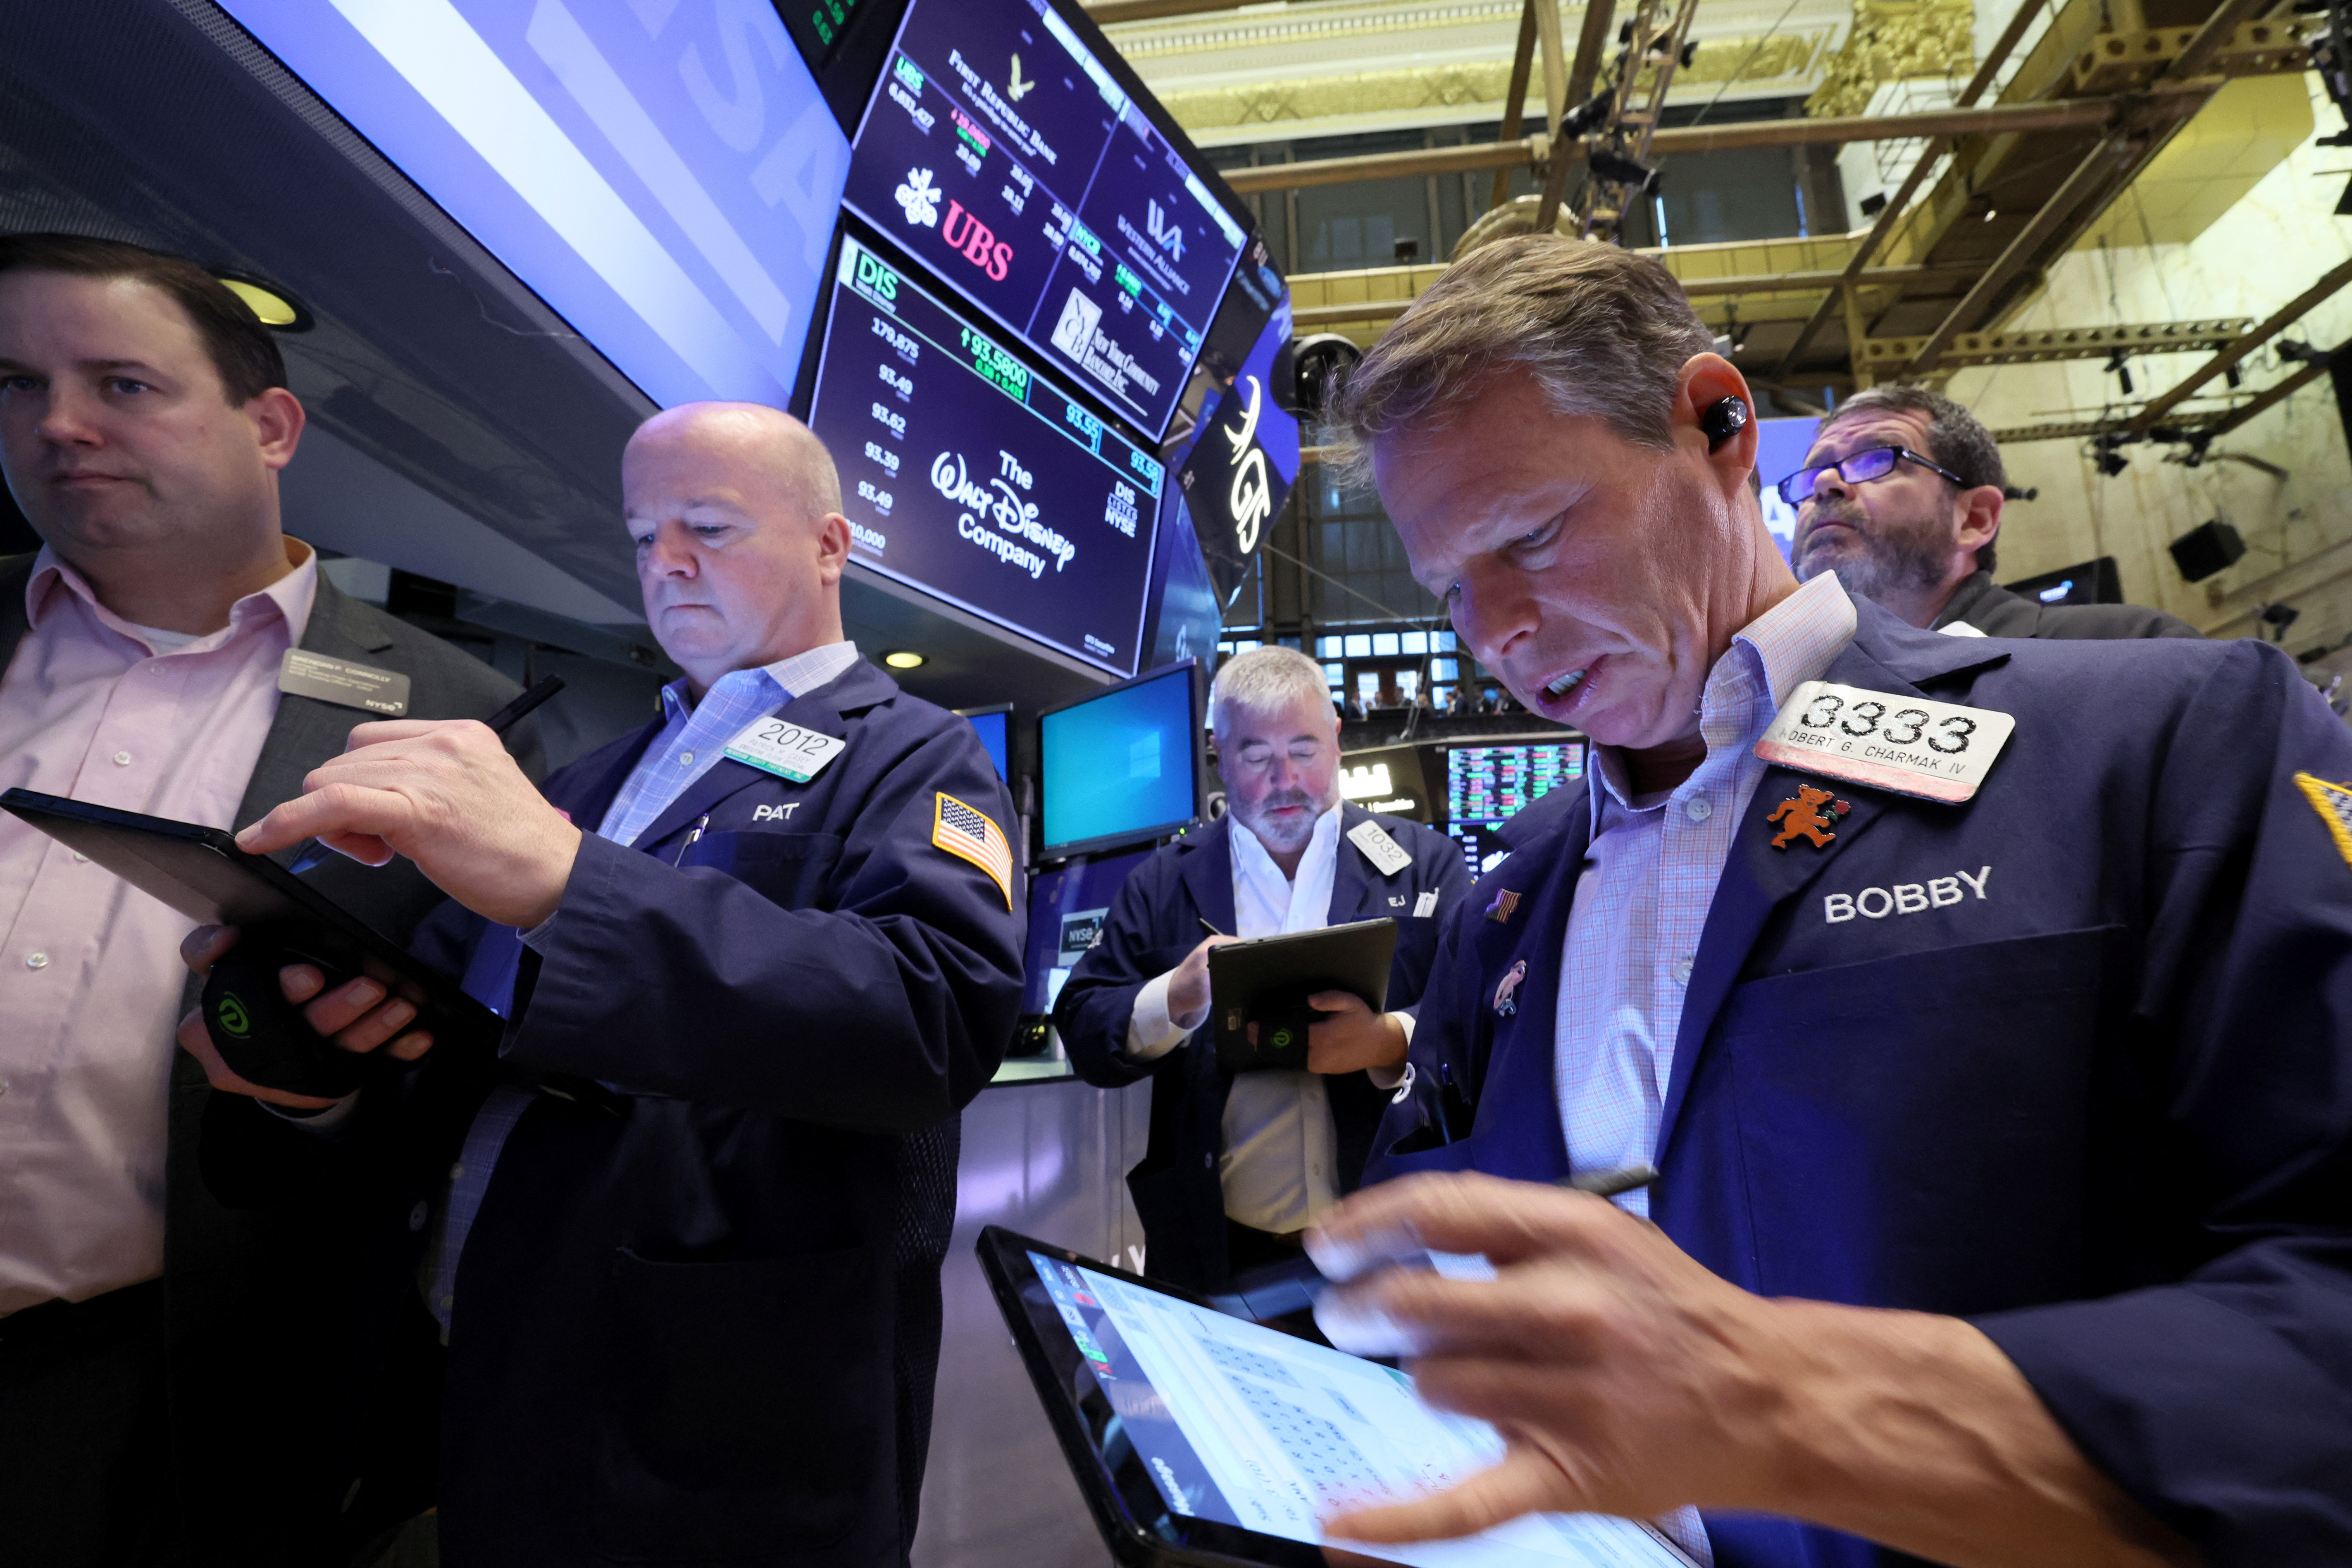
<point>96,708</point>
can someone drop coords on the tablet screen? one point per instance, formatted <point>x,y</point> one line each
<point>1242,1424</point>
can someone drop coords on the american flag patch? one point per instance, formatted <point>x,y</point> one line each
<point>2334,804</point>
<point>968,835</point>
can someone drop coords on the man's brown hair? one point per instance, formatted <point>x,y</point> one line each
<point>1601,330</point>
<point>1955,438</point>
<point>242,350</point>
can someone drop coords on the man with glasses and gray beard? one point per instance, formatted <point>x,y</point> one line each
<point>1901,496</point>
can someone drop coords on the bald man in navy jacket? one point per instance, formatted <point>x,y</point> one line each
<point>764,950</point>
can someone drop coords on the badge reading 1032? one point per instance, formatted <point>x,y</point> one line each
<point>785,750</point>
<point>1937,751</point>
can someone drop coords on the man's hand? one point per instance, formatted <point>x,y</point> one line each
<point>1627,1379</point>
<point>1188,985</point>
<point>445,794</point>
<point>356,1016</point>
<point>1352,1037</point>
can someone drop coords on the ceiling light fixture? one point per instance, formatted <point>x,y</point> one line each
<point>279,310</point>
<point>903,658</point>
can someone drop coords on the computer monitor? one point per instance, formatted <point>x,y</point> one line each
<point>1009,153</point>
<point>1491,785</point>
<point>994,725</point>
<point>1121,766</point>
<point>975,476</point>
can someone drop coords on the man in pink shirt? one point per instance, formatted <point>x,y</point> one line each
<point>143,419</point>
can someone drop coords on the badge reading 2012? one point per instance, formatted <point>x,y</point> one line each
<point>1936,750</point>
<point>785,750</point>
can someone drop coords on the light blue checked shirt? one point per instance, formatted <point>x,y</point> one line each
<point>688,746</point>
<point>1642,901</point>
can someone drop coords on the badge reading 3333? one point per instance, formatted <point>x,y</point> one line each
<point>1936,750</point>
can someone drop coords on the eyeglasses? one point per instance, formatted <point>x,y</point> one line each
<point>1859,469</point>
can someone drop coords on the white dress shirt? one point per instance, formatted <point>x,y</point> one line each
<point>1280,1166</point>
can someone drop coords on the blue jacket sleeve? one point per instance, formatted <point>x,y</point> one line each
<point>884,1010</point>
<point>1098,998</point>
<point>2221,1398</point>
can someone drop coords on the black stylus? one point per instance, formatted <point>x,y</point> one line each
<point>505,719</point>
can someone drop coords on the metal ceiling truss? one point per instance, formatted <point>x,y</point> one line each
<point>2046,345</point>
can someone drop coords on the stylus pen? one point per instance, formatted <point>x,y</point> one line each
<point>505,719</point>
<point>1207,927</point>
<point>1611,1183</point>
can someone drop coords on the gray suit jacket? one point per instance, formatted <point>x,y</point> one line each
<point>1998,612</point>
<point>279,1455</point>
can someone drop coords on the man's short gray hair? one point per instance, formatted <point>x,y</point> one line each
<point>1601,330</point>
<point>1265,680</point>
<point>1955,437</point>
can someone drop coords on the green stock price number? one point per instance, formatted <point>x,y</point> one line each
<point>996,364</point>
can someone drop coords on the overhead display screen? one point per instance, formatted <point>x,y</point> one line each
<point>1002,154</point>
<point>968,474</point>
<point>663,172</point>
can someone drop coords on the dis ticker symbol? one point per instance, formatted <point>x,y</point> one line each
<point>233,1021</point>
<point>1016,88</point>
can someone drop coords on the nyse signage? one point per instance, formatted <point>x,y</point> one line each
<point>1243,462</point>
<point>662,172</point>
<point>968,475</point>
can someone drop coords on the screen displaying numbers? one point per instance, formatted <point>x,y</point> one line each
<point>1493,784</point>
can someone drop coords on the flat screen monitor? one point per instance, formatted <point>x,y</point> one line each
<point>1780,449</point>
<point>1066,910</point>
<point>1492,783</point>
<point>665,175</point>
<point>970,475</point>
<point>1481,843</point>
<point>1005,154</point>
<point>994,727</point>
<point>1122,765</point>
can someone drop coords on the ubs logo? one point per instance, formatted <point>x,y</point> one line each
<point>978,242</point>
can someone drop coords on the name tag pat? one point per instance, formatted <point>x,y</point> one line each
<point>1911,745</point>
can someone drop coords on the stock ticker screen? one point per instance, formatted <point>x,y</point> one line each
<point>1001,153</point>
<point>1486,786</point>
<point>971,477</point>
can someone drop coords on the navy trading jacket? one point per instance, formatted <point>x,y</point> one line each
<point>2073,1060</point>
<point>1154,921</point>
<point>698,1320</point>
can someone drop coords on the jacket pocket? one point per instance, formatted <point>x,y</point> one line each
<point>790,869</point>
<point>749,1407</point>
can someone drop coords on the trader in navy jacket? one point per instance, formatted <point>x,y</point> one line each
<point>694,1314</point>
<point>2005,1137</point>
<point>1237,1168</point>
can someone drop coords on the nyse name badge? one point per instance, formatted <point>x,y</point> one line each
<point>785,750</point>
<point>1912,745</point>
<point>1387,855</point>
<point>966,833</point>
<point>384,692</point>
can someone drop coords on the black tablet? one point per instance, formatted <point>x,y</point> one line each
<point>202,873</point>
<point>1268,979</point>
<point>1199,1438</point>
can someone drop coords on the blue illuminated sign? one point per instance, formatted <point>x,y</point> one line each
<point>663,172</point>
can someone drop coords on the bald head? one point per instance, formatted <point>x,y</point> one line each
<point>735,510</point>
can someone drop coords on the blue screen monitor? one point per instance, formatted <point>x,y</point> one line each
<point>994,726</point>
<point>1005,154</point>
<point>663,174</point>
<point>1491,785</point>
<point>973,476</point>
<point>1121,766</point>
<point>1780,449</point>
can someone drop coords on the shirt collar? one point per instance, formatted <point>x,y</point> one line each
<point>1769,658</point>
<point>289,599</point>
<point>794,675</point>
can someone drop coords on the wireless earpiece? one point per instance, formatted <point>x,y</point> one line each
<point>1722,421</point>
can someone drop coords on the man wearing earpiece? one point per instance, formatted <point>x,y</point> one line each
<point>1980,1002</point>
